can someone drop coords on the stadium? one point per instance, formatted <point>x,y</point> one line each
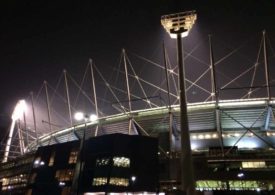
<point>232,139</point>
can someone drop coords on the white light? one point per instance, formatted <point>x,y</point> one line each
<point>237,135</point>
<point>258,189</point>
<point>93,117</point>
<point>207,136</point>
<point>240,175</point>
<point>214,135</point>
<point>201,136</point>
<point>79,116</point>
<point>42,163</point>
<point>36,162</point>
<point>19,109</point>
<point>247,144</point>
<point>193,146</point>
<point>194,137</point>
<point>133,178</point>
<point>61,183</point>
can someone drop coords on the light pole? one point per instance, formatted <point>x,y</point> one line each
<point>80,116</point>
<point>178,26</point>
<point>18,112</point>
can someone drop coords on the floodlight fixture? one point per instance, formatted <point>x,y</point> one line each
<point>133,178</point>
<point>179,23</point>
<point>93,117</point>
<point>19,110</point>
<point>79,116</point>
<point>178,26</point>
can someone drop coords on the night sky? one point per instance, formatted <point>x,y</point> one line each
<point>38,39</point>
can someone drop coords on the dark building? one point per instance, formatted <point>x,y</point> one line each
<point>110,163</point>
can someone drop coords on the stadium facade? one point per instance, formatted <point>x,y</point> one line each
<point>139,150</point>
<point>244,162</point>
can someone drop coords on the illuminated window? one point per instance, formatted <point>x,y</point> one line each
<point>121,162</point>
<point>210,184</point>
<point>14,182</point>
<point>246,185</point>
<point>51,161</point>
<point>119,181</point>
<point>99,181</point>
<point>73,156</point>
<point>64,175</point>
<point>102,161</point>
<point>254,164</point>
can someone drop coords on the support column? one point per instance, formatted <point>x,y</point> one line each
<point>215,94</point>
<point>68,97</point>
<point>48,106</point>
<point>266,68</point>
<point>94,90</point>
<point>187,175</point>
<point>128,91</point>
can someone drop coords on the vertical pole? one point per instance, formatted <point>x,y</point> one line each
<point>68,97</point>
<point>166,74</point>
<point>26,130</point>
<point>215,93</point>
<point>94,90</point>
<point>168,96</point>
<point>187,175</point>
<point>266,68</point>
<point>34,118</point>
<point>48,106</point>
<point>20,136</point>
<point>8,144</point>
<point>128,89</point>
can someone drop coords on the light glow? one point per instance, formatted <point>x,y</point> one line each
<point>133,178</point>
<point>79,116</point>
<point>93,117</point>
<point>19,110</point>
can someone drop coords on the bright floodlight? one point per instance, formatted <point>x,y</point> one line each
<point>179,23</point>
<point>93,117</point>
<point>79,116</point>
<point>133,178</point>
<point>19,109</point>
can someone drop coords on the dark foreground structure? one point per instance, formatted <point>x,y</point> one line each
<point>110,163</point>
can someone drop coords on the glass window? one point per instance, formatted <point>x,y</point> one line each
<point>119,181</point>
<point>51,161</point>
<point>73,156</point>
<point>121,162</point>
<point>99,181</point>
<point>102,161</point>
<point>254,164</point>
<point>64,175</point>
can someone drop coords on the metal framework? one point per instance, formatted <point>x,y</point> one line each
<point>247,123</point>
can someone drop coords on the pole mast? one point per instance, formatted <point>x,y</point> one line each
<point>94,91</point>
<point>266,67</point>
<point>33,115</point>
<point>128,89</point>
<point>215,93</point>
<point>48,105</point>
<point>68,97</point>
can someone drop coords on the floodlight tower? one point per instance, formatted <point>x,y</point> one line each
<point>18,112</point>
<point>178,26</point>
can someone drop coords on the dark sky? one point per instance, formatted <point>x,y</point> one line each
<point>38,39</point>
